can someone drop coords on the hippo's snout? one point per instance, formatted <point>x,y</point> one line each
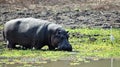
<point>65,46</point>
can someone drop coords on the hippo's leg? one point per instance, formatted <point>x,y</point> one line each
<point>27,47</point>
<point>10,45</point>
<point>51,47</point>
<point>38,46</point>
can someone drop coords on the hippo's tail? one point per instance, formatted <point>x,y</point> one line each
<point>3,35</point>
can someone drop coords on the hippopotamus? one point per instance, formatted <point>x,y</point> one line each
<point>36,33</point>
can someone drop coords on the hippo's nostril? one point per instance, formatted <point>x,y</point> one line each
<point>65,45</point>
<point>69,49</point>
<point>65,48</point>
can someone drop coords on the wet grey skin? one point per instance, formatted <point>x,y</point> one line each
<point>35,33</point>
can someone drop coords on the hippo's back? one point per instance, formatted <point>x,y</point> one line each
<point>24,30</point>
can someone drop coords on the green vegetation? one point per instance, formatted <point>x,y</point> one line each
<point>86,42</point>
<point>96,42</point>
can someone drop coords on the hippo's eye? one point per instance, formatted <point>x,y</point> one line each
<point>60,37</point>
<point>57,36</point>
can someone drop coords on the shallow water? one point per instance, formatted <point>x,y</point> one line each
<point>66,63</point>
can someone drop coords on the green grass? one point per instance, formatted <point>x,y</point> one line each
<point>102,47</point>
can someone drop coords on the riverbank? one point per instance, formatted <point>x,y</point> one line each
<point>86,42</point>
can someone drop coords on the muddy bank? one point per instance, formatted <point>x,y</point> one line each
<point>77,13</point>
<point>73,18</point>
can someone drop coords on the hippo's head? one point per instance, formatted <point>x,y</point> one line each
<point>60,40</point>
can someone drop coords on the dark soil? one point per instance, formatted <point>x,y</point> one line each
<point>86,18</point>
<point>77,13</point>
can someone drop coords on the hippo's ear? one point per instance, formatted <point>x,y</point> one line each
<point>67,31</point>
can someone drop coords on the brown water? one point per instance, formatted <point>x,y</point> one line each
<point>61,63</point>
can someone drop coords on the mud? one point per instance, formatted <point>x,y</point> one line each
<point>74,14</point>
<point>72,18</point>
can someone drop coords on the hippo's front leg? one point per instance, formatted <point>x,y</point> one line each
<point>51,47</point>
<point>38,46</point>
<point>10,45</point>
<point>27,46</point>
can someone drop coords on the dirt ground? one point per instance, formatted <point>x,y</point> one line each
<point>72,13</point>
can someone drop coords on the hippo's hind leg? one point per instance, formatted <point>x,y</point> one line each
<point>27,47</point>
<point>38,46</point>
<point>10,45</point>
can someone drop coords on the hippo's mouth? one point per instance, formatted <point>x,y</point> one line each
<point>64,45</point>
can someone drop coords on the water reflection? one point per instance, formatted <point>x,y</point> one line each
<point>65,63</point>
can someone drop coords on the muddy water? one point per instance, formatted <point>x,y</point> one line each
<point>97,63</point>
